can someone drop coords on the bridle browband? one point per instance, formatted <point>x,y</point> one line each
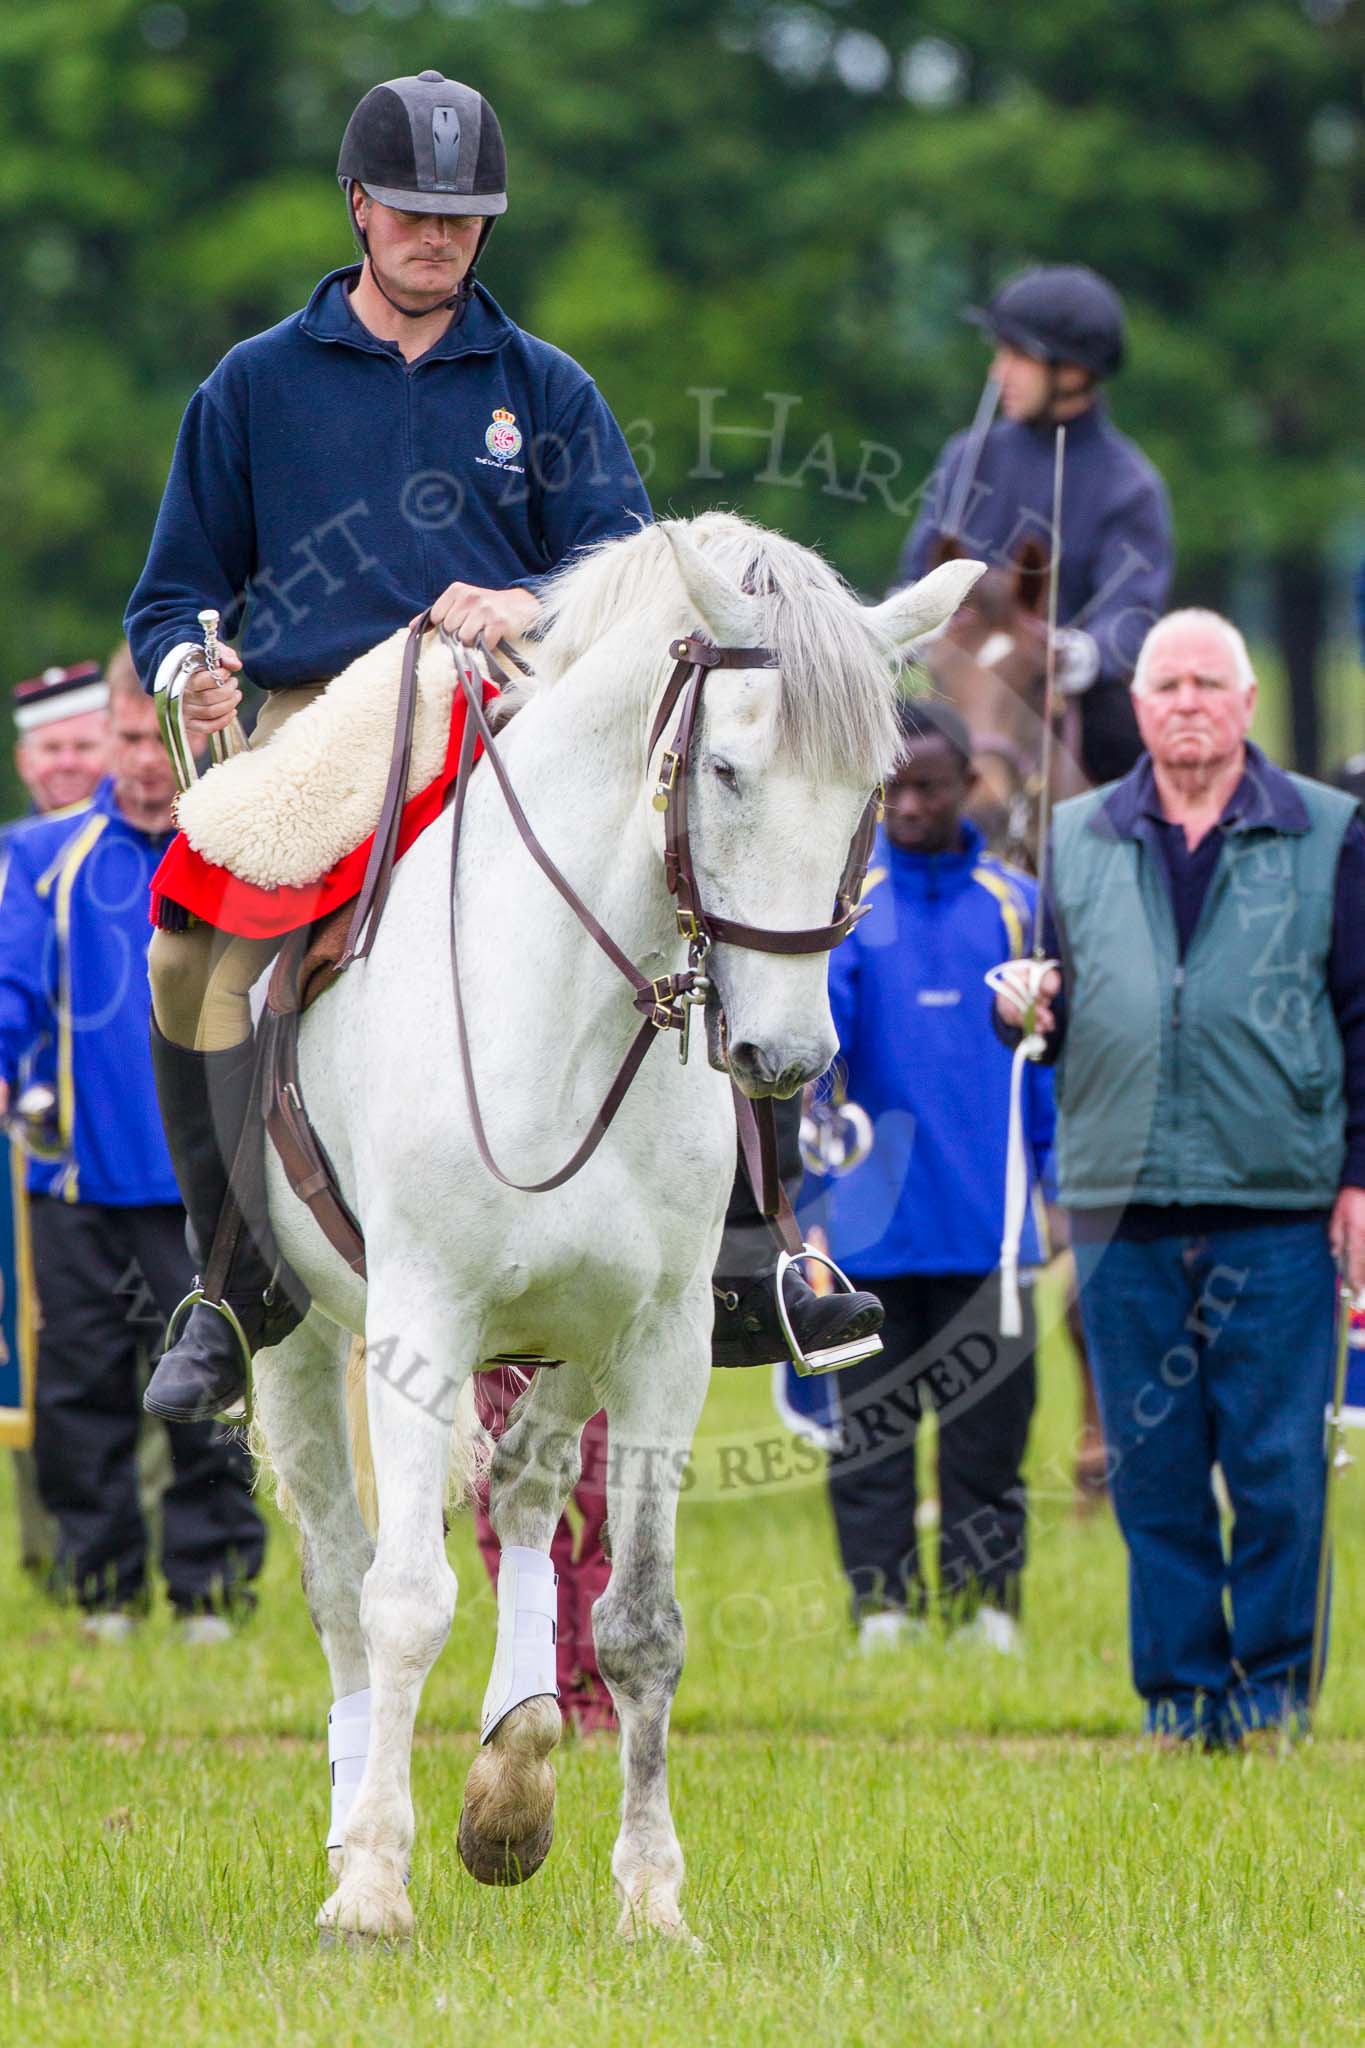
<point>665,1003</point>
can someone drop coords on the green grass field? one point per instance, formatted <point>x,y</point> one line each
<point>938,1847</point>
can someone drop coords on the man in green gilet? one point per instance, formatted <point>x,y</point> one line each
<point>1208,1028</point>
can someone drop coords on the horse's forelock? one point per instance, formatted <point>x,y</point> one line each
<point>837,718</point>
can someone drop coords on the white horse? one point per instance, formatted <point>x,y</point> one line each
<point>612,1272</point>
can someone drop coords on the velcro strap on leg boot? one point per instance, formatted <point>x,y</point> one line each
<point>524,1660</point>
<point>348,1743</point>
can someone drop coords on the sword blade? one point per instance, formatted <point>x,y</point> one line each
<point>1054,571</point>
<point>986,407</point>
<point>1334,1434</point>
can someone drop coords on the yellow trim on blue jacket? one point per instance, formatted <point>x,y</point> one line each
<point>49,875</point>
<point>63,874</point>
<point>16,1424</point>
<point>1013,909</point>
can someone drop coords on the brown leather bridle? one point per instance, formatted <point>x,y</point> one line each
<point>695,659</point>
<point>665,1003</point>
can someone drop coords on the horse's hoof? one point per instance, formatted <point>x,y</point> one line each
<point>508,1820</point>
<point>364,1917</point>
<point>639,1923</point>
<point>361,1944</point>
<point>492,1861</point>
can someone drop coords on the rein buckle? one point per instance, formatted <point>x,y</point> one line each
<point>687,1003</point>
<point>668,776</point>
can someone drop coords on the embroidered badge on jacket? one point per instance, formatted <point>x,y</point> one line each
<point>503,438</point>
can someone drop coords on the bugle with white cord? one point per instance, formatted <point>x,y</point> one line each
<point>170,711</point>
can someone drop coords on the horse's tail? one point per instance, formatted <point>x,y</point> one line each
<point>471,1450</point>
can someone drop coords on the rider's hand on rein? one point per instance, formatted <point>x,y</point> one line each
<point>465,611</point>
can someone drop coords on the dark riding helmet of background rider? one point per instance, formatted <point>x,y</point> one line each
<point>426,145</point>
<point>1058,313</point>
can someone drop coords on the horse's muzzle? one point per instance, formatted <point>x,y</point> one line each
<point>761,1070</point>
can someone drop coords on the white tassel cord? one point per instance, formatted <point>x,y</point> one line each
<point>1006,981</point>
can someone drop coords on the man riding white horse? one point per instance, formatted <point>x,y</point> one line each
<point>399,436</point>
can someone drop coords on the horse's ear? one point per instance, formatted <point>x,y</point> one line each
<point>729,616</point>
<point>921,606</point>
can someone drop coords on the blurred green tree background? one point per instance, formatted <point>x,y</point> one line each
<point>782,206</point>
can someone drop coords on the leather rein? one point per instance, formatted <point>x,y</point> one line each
<point>666,1002</point>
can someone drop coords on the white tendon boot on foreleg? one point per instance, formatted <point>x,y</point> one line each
<point>508,1820</point>
<point>348,1743</point>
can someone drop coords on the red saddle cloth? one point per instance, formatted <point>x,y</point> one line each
<point>186,883</point>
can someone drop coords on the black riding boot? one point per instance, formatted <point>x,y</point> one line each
<point>830,1329</point>
<point>205,1100</point>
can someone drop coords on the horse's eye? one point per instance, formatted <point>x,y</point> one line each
<point>723,772</point>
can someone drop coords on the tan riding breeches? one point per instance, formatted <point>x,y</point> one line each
<point>202,979</point>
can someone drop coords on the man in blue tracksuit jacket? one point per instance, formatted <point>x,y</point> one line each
<point>107,1227</point>
<point>920,1221</point>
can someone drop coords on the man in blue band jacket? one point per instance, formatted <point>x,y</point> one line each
<point>108,1230</point>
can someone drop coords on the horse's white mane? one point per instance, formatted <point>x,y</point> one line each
<point>837,719</point>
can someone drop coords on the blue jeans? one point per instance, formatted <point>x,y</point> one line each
<point>1216,1349</point>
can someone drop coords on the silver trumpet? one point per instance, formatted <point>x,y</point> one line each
<point>170,709</point>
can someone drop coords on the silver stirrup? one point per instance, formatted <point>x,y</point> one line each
<point>834,1355</point>
<point>239,1411</point>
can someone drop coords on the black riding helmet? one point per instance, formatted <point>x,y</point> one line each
<point>1059,313</point>
<point>426,145</point>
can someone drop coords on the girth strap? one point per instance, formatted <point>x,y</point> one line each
<point>309,1171</point>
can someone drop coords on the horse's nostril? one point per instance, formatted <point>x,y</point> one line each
<point>751,1061</point>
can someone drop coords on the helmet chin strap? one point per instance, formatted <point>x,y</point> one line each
<point>458,301</point>
<point>1056,396</point>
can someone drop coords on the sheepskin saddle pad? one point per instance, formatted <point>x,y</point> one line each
<point>282,814</point>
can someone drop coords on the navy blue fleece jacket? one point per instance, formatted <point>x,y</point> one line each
<point>330,490</point>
